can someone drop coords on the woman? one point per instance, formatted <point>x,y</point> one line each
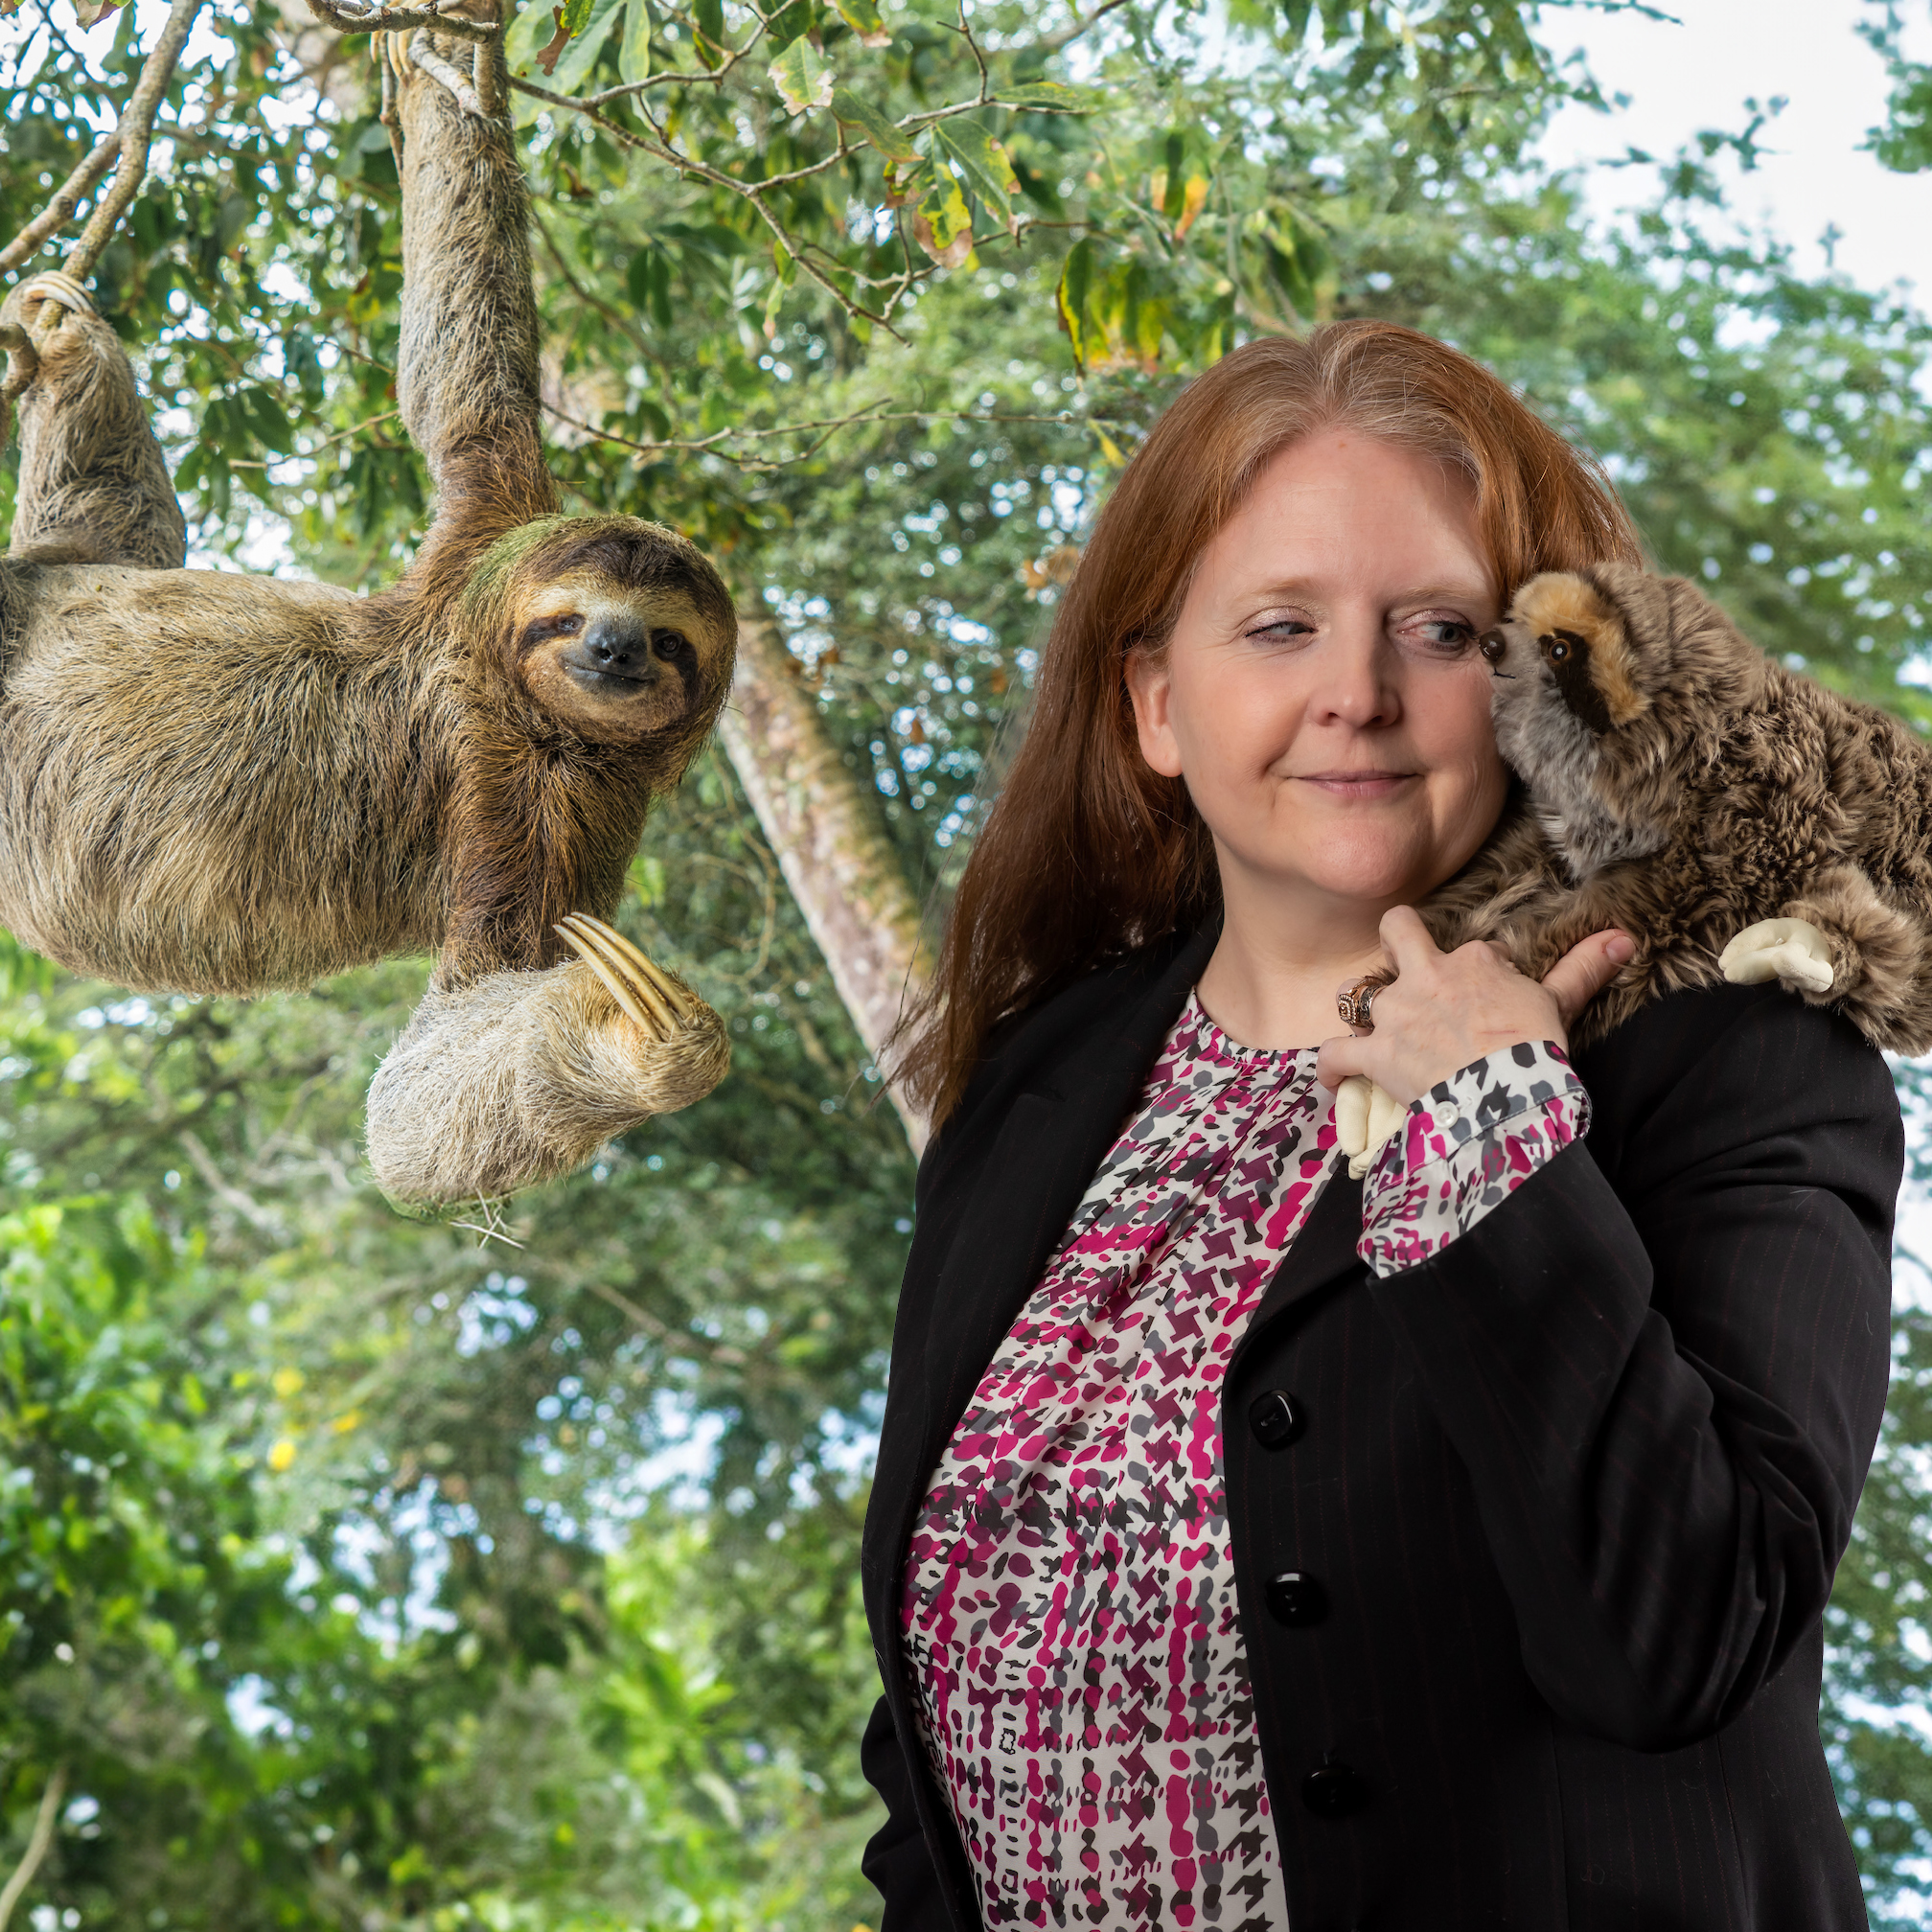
<point>1251,1545</point>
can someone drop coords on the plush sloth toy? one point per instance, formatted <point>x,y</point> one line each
<point>1741,822</point>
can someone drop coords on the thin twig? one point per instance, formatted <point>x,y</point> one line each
<point>314,448</point>
<point>677,77</point>
<point>577,289</point>
<point>132,138</point>
<point>1053,42</point>
<point>491,1227</point>
<point>37,1842</point>
<point>829,426</point>
<point>348,17</point>
<point>674,1340</point>
<point>65,200</point>
<point>658,145</point>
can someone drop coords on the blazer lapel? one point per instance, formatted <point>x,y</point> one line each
<point>1321,1254</point>
<point>1054,1136</point>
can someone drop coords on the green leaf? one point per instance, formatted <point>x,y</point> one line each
<point>863,18</point>
<point>266,418</point>
<point>709,14</point>
<point>1076,277</point>
<point>892,142</point>
<point>528,32</point>
<point>581,55</point>
<point>633,51</point>
<point>789,22</point>
<point>1052,97</point>
<point>942,224</point>
<point>802,77</point>
<point>574,15</point>
<point>983,162</point>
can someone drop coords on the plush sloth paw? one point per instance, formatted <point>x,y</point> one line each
<point>1366,1120</point>
<point>1791,951</point>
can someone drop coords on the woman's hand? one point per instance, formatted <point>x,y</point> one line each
<point>1449,1009</point>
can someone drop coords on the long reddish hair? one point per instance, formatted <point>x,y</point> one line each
<point>1088,851</point>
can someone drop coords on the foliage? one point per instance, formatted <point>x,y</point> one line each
<point>1906,141</point>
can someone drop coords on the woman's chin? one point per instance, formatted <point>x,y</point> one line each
<point>1358,866</point>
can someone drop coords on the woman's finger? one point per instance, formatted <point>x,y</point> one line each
<point>1406,939</point>
<point>1339,1058</point>
<point>1586,968</point>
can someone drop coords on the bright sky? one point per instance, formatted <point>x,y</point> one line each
<point>1698,72</point>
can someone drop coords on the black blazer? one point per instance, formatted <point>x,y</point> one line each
<point>1576,1486</point>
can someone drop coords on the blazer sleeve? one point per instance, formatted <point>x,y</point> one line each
<point>1666,1392</point>
<point>897,1858</point>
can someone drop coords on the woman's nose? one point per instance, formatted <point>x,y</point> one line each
<point>1356,689</point>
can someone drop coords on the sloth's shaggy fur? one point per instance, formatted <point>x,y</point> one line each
<point>214,783</point>
<point>1678,783</point>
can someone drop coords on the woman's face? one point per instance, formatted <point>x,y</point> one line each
<point>1322,695</point>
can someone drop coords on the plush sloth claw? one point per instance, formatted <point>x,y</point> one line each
<point>1366,1119</point>
<point>654,1001</point>
<point>1789,950</point>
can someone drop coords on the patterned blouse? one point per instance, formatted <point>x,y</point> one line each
<point>1070,1613</point>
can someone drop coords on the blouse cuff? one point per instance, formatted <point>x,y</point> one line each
<point>1465,1147</point>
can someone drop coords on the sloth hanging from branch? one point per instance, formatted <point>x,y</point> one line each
<point>213,783</point>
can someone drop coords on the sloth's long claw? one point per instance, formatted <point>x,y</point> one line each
<point>681,1000</point>
<point>630,978</point>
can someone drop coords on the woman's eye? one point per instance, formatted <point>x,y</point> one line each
<point>1445,636</point>
<point>1283,631</point>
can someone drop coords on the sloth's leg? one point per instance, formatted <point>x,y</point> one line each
<point>1791,951</point>
<point>94,486</point>
<point>518,1077</point>
<point>1839,943</point>
<point>467,375</point>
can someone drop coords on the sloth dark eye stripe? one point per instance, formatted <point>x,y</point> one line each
<point>1567,656</point>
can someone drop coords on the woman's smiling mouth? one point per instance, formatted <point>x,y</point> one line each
<point>1367,784</point>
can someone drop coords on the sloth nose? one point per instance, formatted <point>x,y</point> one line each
<point>1494,647</point>
<point>620,646</point>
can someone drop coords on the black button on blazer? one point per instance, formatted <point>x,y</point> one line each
<point>1572,1491</point>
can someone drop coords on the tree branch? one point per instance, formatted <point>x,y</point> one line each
<point>836,856</point>
<point>41,1837</point>
<point>132,137</point>
<point>67,197</point>
<point>350,16</point>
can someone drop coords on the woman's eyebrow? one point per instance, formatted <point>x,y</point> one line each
<point>1308,591</point>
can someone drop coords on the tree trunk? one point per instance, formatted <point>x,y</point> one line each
<point>839,865</point>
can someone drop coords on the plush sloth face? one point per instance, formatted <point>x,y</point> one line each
<point>620,631</point>
<point>1572,673</point>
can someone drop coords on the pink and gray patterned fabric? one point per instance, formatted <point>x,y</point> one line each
<point>1070,1612</point>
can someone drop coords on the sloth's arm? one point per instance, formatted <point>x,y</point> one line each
<point>94,486</point>
<point>467,376</point>
<point>519,1077</point>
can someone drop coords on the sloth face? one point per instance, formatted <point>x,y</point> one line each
<point>621,631</point>
<point>613,663</point>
